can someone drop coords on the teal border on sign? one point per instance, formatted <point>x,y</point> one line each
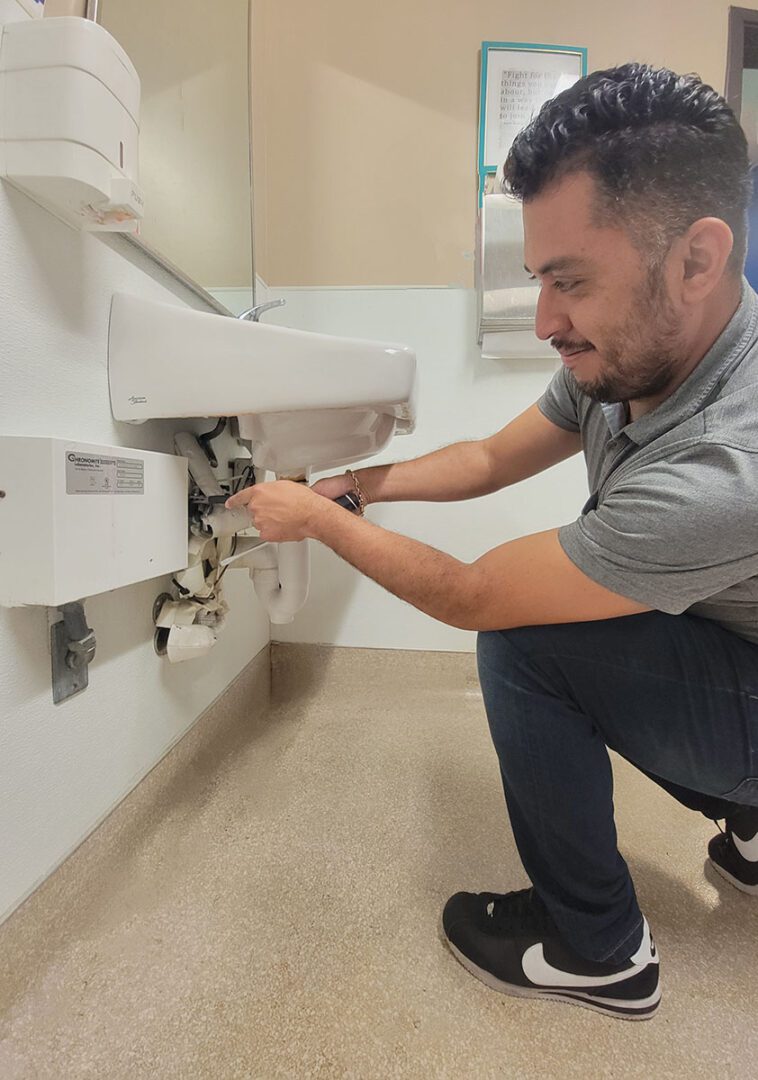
<point>513,46</point>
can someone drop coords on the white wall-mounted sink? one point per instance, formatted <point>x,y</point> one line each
<point>304,400</point>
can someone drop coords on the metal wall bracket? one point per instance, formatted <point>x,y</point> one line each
<point>72,647</point>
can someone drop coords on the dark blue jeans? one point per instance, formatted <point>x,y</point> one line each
<point>675,695</point>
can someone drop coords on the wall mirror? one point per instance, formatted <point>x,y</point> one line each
<point>193,60</point>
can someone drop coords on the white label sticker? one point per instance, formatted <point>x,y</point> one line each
<point>95,474</point>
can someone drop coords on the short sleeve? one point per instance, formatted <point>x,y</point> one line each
<point>674,532</point>
<point>559,402</point>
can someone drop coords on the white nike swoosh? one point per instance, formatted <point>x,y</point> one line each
<point>541,973</point>
<point>748,849</point>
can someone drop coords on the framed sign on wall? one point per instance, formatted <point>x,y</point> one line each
<point>517,79</point>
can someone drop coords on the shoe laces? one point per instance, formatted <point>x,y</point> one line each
<point>521,911</point>
<point>726,839</point>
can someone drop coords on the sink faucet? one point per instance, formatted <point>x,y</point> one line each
<point>254,313</point>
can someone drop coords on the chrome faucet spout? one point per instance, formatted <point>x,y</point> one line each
<point>254,313</point>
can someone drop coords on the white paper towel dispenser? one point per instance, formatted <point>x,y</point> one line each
<point>507,302</point>
<point>69,121</point>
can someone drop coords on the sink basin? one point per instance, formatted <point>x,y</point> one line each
<point>304,400</point>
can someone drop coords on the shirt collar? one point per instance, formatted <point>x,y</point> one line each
<point>689,398</point>
<point>615,415</point>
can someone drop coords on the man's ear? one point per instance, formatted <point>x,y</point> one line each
<point>703,252</point>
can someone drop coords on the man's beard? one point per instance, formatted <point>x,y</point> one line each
<point>641,357</point>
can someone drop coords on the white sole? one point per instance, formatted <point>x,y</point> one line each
<point>751,890</point>
<point>587,1001</point>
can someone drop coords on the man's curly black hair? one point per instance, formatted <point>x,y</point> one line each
<point>664,149</point>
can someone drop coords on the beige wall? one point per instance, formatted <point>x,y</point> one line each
<point>192,59</point>
<point>365,121</point>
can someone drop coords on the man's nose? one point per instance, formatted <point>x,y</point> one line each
<point>551,319</point>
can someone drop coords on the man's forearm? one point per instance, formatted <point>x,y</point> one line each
<point>430,580</point>
<point>460,471</point>
<point>528,445</point>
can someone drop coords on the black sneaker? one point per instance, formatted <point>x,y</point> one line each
<point>734,853</point>
<point>511,944</point>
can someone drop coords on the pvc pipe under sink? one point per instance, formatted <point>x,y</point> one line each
<point>281,577</point>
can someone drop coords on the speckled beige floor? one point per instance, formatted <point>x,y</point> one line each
<point>267,905</point>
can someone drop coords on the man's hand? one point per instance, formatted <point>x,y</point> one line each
<point>331,487</point>
<point>284,511</point>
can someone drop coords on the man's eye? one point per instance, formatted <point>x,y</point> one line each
<point>565,286</point>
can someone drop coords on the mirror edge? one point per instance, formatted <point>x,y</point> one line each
<point>93,12</point>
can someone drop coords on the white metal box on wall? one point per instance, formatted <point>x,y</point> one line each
<point>78,519</point>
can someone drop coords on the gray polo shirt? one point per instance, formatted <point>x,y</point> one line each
<point>673,517</point>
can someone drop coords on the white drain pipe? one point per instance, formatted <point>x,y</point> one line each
<point>281,576</point>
